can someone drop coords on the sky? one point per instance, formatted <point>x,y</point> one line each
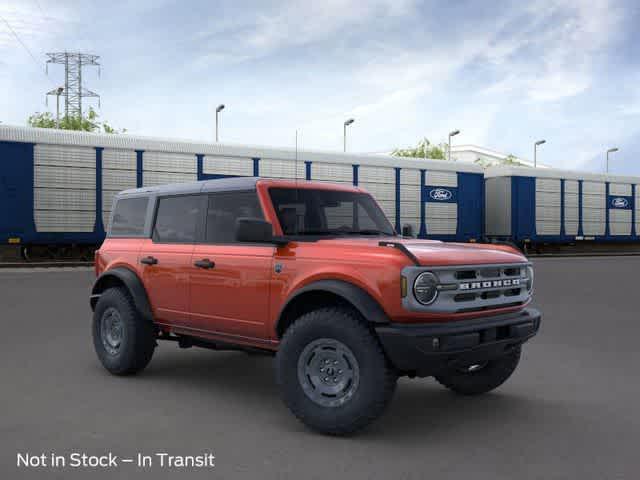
<point>505,73</point>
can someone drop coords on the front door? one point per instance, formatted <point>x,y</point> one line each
<point>166,257</point>
<point>230,281</point>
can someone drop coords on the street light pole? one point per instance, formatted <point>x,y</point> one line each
<point>218,110</point>
<point>58,93</point>
<point>611,150</point>
<point>451,134</point>
<point>344,132</point>
<point>535,152</point>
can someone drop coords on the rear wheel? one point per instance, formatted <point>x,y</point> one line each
<point>481,377</point>
<point>332,372</point>
<point>123,340</point>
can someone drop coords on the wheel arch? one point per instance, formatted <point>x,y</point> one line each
<point>325,292</point>
<point>123,277</point>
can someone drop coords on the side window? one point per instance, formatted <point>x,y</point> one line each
<point>129,216</point>
<point>224,209</point>
<point>178,219</point>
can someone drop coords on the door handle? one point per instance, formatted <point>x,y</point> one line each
<point>204,263</point>
<point>149,260</point>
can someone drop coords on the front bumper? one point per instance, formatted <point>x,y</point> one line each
<point>426,349</point>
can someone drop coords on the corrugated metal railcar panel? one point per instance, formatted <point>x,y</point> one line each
<point>547,185</point>
<point>332,172</point>
<point>410,193</point>
<point>381,191</point>
<point>441,218</point>
<point>594,202</point>
<point>409,176</point>
<point>571,207</point>
<point>63,221</point>
<point>592,228</point>
<point>409,209</point>
<point>64,156</point>
<point>116,159</point>
<point>548,204</point>
<point>548,227</point>
<point>369,174</point>
<point>69,177</point>
<point>118,179</point>
<point>66,200</point>
<point>168,162</point>
<point>571,186</point>
<point>570,228</point>
<point>162,178</point>
<point>619,221</point>
<point>274,168</point>
<point>593,188</point>
<point>620,189</point>
<point>441,179</point>
<point>547,214</point>
<point>239,166</point>
<point>441,226</point>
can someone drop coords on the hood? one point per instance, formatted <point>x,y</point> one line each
<point>441,253</point>
<point>437,253</point>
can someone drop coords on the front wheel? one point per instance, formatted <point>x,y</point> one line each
<point>332,372</point>
<point>481,377</point>
<point>123,340</point>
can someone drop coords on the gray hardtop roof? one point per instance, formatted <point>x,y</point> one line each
<point>202,186</point>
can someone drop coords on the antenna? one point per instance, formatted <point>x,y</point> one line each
<point>296,157</point>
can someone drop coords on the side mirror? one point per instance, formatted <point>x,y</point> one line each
<point>407,230</point>
<point>256,230</point>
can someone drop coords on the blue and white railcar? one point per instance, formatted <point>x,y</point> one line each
<point>526,205</point>
<point>57,186</point>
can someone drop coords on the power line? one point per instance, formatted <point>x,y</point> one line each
<point>24,45</point>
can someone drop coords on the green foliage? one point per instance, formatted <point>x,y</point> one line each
<point>433,151</point>
<point>88,123</point>
<point>508,160</point>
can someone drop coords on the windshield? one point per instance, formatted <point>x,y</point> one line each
<point>328,212</point>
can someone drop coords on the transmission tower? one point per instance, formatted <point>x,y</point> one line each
<point>73,91</point>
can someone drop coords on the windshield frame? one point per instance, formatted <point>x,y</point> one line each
<point>384,228</point>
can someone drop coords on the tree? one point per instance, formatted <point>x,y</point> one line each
<point>88,123</point>
<point>508,160</point>
<point>433,151</point>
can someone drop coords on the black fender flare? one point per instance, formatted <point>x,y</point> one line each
<point>133,284</point>
<point>361,300</point>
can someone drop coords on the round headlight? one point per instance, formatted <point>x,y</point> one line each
<point>530,279</point>
<point>425,288</point>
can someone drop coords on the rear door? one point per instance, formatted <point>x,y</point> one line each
<point>166,257</point>
<point>230,281</point>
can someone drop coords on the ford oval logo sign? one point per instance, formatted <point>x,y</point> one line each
<point>619,202</point>
<point>441,194</point>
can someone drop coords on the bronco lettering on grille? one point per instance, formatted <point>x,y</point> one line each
<point>514,282</point>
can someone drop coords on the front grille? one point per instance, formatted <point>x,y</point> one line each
<point>475,288</point>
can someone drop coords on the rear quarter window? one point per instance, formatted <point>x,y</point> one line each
<point>129,217</point>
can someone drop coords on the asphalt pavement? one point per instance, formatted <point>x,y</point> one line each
<point>571,410</point>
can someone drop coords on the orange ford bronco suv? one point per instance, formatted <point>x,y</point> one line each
<point>314,274</point>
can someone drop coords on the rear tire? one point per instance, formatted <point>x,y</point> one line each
<point>478,379</point>
<point>123,340</point>
<point>332,372</point>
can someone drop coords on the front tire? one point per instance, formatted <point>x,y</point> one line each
<point>332,372</point>
<point>481,378</point>
<point>123,340</point>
